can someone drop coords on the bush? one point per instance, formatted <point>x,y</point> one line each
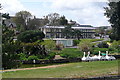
<point>103,45</point>
<point>10,61</point>
<point>75,42</point>
<point>85,45</point>
<point>51,55</point>
<point>22,56</point>
<point>59,46</point>
<point>96,50</point>
<point>32,57</point>
<point>115,44</point>
<point>71,53</point>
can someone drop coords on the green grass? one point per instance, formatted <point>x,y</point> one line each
<point>92,40</point>
<point>71,70</point>
<point>71,53</point>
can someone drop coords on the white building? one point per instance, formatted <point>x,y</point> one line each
<point>56,31</point>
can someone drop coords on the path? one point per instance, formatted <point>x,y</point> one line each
<point>53,66</point>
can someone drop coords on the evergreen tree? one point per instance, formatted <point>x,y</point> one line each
<point>113,13</point>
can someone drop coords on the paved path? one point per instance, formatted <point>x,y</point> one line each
<point>52,66</point>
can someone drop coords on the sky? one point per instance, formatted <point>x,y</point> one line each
<point>88,12</point>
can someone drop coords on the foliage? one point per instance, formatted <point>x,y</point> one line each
<point>7,35</point>
<point>113,13</point>
<point>32,57</point>
<point>49,44</point>
<point>9,49</point>
<point>103,45</point>
<point>71,53</point>
<point>67,32</point>
<point>96,50</point>
<point>33,24</point>
<point>77,33</point>
<point>115,44</point>
<point>59,46</point>
<point>51,55</point>
<point>34,48</point>
<point>53,19</point>
<point>30,36</point>
<point>21,19</point>
<point>76,42</point>
<point>63,21</point>
<point>85,46</point>
<point>23,56</point>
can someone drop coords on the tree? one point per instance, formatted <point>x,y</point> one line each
<point>63,21</point>
<point>53,19</point>
<point>30,36</point>
<point>113,13</point>
<point>21,19</point>
<point>115,44</point>
<point>85,46</point>
<point>33,24</point>
<point>67,32</point>
<point>103,45</point>
<point>77,33</point>
<point>49,44</point>
<point>9,49</point>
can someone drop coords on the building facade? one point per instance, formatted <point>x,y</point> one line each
<point>56,31</point>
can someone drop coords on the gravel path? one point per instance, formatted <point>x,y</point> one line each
<point>52,66</point>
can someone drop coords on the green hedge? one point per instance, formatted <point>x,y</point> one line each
<point>51,55</point>
<point>96,50</point>
<point>33,57</point>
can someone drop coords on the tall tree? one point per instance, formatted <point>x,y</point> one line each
<point>63,21</point>
<point>21,19</point>
<point>113,13</point>
<point>30,36</point>
<point>53,19</point>
<point>77,33</point>
<point>33,24</point>
<point>67,32</point>
<point>9,49</point>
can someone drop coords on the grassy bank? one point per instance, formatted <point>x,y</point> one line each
<point>70,70</point>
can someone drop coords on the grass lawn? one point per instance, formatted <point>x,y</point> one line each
<point>71,53</point>
<point>71,70</point>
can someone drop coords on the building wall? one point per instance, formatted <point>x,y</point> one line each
<point>56,32</point>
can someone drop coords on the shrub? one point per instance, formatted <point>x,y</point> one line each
<point>10,61</point>
<point>76,42</point>
<point>115,44</point>
<point>22,56</point>
<point>32,57</point>
<point>59,46</point>
<point>85,45</point>
<point>96,50</point>
<point>51,55</point>
<point>103,45</point>
<point>49,44</point>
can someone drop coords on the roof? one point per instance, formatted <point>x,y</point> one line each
<point>74,27</point>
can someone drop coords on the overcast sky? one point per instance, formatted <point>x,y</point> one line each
<point>89,12</point>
